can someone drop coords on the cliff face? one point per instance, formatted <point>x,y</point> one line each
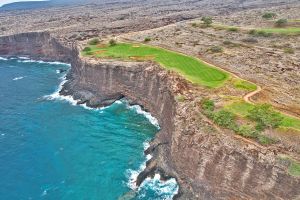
<point>36,45</point>
<point>207,163</point>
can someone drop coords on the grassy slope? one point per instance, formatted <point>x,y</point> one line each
<point>242,108</point>
<point>284,31</point>
<point>193,69</point>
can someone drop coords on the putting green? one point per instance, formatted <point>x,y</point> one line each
<point>191,68</point>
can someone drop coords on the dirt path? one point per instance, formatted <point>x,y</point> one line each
<point>249,95</point>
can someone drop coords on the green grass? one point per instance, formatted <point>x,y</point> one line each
<point>244,85</point>
<point>283,31</point>
<point>242,108</point>
<point>191,68</point>
<point>294,166</point>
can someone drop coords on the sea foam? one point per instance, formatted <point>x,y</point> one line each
<point>165,189</point>
<point>18,78</point>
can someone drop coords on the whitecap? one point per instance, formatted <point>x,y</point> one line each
<point>18,78</point>
<point>165,189</point>
<point>2,58</point>
<point>151,119</point>
<point>42,62</point>
<point>23,58</point>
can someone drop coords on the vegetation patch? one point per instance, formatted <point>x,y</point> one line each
<point>269,15</point>
<point>264,114</point>
<point>244,85</point>
<point>283,31</point>
<point>227,119</point>
<point>216,49</point>
<point>94,41</point>
<point>233,29</point>
<point>293,165</point>
<point>191,68</point>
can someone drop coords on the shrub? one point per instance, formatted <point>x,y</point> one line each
<point>250,40</point>
<point>208,106</point>
<point>247,131</point>
<point>194,24</point>
<point>87,49</point>
<point>94,41</point>
<point>89,53</point>
<point>112,42</point>
<point>216,49</point>
<point>281,22</point>
<point>263,34</point>
<point>233,29</point>
<point>225,118</point>
<point>269,15</point>
<point>265,117</point>
<point>289,50</point>
<point>207,20</point>
<point>180,98</point>
<point>265,140</point>
<point>252,32</point>
<point>147,39</point>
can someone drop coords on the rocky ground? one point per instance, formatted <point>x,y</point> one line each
<point>262,60</point>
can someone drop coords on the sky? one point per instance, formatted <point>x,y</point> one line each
<point>2,2</point>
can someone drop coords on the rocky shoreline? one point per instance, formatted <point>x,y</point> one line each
<point>207,163</point>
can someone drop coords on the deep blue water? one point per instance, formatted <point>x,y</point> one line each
<point>51,149</point>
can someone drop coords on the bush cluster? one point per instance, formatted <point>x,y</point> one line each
<point>260,33</point>
<point>281,22</point>
<point>269,15</point>
<point>216,49</point>
<point>112,42</point>
<point>94,41</point>
<point>86,49</point>
<point>207,20</point>
<point>233,29</point>
<point>265,117</point>
<point>262,115</point>
<point>147,39</point>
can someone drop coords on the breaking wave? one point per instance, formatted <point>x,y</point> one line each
<point>164,189</point>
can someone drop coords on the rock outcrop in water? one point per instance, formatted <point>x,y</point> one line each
<point>207,163</point>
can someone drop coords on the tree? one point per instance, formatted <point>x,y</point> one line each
<point>269,15</point>
<point>112,42</point>
<point>281,22</point>
<point>207,20</point>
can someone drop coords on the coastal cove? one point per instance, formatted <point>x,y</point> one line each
<point>64,158</point>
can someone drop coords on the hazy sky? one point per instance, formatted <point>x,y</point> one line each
<point>2,2</point>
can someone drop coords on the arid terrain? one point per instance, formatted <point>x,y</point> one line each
<point>208,160</point>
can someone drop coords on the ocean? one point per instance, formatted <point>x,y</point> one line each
<point>51,148</point>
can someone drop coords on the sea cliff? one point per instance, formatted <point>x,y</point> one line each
<point>207,164</point>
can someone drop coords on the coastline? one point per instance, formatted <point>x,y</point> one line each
<point>202,163</point>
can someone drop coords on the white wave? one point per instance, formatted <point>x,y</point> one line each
<point>42,62</point>
<point>2,58</point>
<point>69,98</point>
<point>24,58</point>
<point>165,189</point>
<point>57,71</point>
<point>151,119</point>
<point>18,78</point>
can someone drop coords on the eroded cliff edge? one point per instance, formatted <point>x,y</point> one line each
<point>207,162</point>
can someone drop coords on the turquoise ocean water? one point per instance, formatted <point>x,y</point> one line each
<point>52,149</point>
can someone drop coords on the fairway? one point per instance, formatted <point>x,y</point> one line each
<point>191,68</point>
